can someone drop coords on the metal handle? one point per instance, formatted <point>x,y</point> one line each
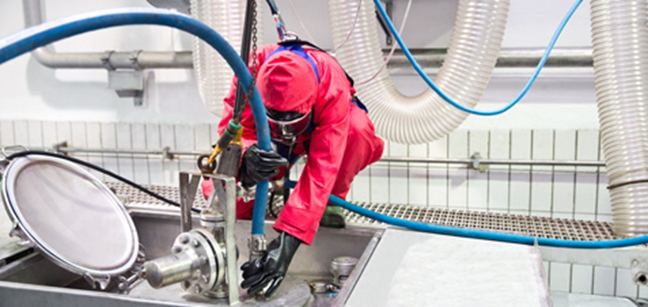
<point>4,149</point>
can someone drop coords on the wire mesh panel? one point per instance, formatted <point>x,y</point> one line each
<point>535,226</point>
<point>131,196</point>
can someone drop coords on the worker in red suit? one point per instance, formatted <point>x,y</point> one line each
<point>312,111</point>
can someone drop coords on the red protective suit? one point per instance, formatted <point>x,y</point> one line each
<point>342,143</point>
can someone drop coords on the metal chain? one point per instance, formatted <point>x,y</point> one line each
<point>239,115</point>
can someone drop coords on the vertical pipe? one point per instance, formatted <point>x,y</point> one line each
<point>620,39</point>
<point>213,75</point>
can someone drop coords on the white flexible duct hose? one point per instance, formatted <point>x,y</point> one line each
<point>213,75</point>
<point>620,39</point>
<point>474,47</point>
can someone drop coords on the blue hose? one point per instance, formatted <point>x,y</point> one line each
<point>41,35</point>
<point>457,105</point>
<point>481,234</point>
<point>32,38</point>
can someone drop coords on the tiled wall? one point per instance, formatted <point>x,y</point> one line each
<point>567,192</point>
<point>570,192</point>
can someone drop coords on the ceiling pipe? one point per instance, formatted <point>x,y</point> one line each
<point>508,58</point>
<point>109,60</point>
<point>138,60</point>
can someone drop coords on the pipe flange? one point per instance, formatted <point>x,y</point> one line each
<point>219,252</point>
<point>134,59</point>
<point>211,220</point>
<point>167,154</point>
<point>210,267</point>
<point>105,60</point>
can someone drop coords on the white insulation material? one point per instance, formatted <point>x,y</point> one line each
<point>417,269</point>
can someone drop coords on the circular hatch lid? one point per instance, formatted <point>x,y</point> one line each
<point>71,216</point>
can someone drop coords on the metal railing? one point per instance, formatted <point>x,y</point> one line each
<point>474,162</point>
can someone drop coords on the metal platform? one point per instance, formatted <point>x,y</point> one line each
<point>131,196</point>
<point>535,226</point>
<point>543,227</point>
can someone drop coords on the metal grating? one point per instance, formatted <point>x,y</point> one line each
<point>535,226</point>
<point>544,227</point>
<point>133,197</point>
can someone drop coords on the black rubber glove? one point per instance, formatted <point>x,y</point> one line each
<point>258,165</point>
<point>271,267</point>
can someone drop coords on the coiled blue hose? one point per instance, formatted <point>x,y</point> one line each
<point>481,234</point>
<point>447,98</point>
<point>29,39</point>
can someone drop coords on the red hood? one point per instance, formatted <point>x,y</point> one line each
<point>287,83</point>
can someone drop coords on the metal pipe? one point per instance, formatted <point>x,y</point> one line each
<point>494,161</point>
<point>110,60</point>
<point>166,152</point>
<point>509,58</point>
<point>171,269</point>
<point>428,58</point>
<point>137,59</point>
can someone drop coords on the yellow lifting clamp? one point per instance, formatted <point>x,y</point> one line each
<point>232,135</point>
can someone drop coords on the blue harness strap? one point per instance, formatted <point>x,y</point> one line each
<point>297,49</point>
<point>359,103</point>
<point>292,157</point>
<point>302,42</point>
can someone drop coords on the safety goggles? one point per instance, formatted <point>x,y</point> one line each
<point>286,126</point>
